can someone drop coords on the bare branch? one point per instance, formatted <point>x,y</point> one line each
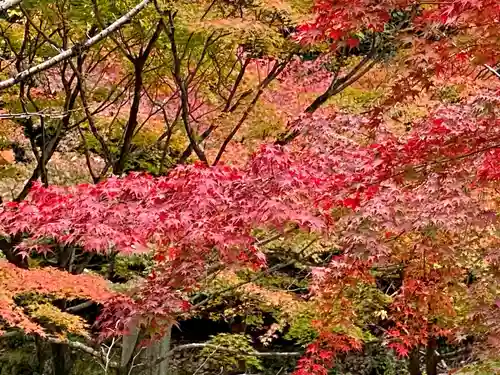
<point>275,71</point>
<point>132,122</point>
<point>217,347</point>
<point>90,119</point>
<point>43,114</point>
<point>82,347</point>
<point>342,82</point>
<point>80,307</point>
<point>8,4</point>
<point>76,49</point>
<point>181,84</point>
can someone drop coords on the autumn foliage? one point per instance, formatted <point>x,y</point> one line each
<point>49,282</point>
<point>419,201</point>
<point>392,188</point>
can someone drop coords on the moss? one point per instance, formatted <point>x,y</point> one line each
<point>375,359</point>
<point>17,362</point>
<point>86,365</point>
<point>16,356</point>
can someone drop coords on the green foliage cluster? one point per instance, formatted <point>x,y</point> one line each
<point>487,367</point>
<point>240,307</point>
<point>42,309</point>
<point>9,171</point>
<point>450,94</point>
<point>238,355</point>
<point>146,154</point>
<point>5,144</point>
<point>302,331</point>
<point>130,267</point>
<point>370,302</point>
<point>284,282</point>
<point>16,357</point>
<point>356,100</point>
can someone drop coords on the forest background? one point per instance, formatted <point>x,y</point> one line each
<point>249,187</point>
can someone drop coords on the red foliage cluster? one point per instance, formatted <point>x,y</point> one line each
<point>344,178</point>
<point>338,19</point>
<point>446,36</point>
<point>321,355</point>
<point>199,215</point>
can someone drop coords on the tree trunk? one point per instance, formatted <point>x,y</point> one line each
<point>414,362</point>
<point>149,356</point>
<point>158,350</point>
<point>63,362</point>
<point>43,354</point>
<point>128,345</point>
<point>431,358</point>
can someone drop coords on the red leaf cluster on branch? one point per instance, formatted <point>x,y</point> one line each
<point>476,21</point>
<point>197,215</point>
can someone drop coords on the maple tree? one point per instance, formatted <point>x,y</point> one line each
<point>278,187</point>
<point>418,204</point>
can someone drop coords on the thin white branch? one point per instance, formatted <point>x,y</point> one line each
<point>4,5</point>
<point>54,115</point>
<point>133,365</point>
<point>201,345</point>
<point>230,350</point>
<point>495,72</point>
<point>108,354</point>
<point>84,348</point>
<point>206,360</point>
<point>76,49</point>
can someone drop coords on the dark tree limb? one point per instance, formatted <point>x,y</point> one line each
<point>181,84</point>
<point>336,86</point>
<point>278,67</point>
<point>139,64</point>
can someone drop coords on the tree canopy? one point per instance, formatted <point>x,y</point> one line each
<point>321,176</point>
